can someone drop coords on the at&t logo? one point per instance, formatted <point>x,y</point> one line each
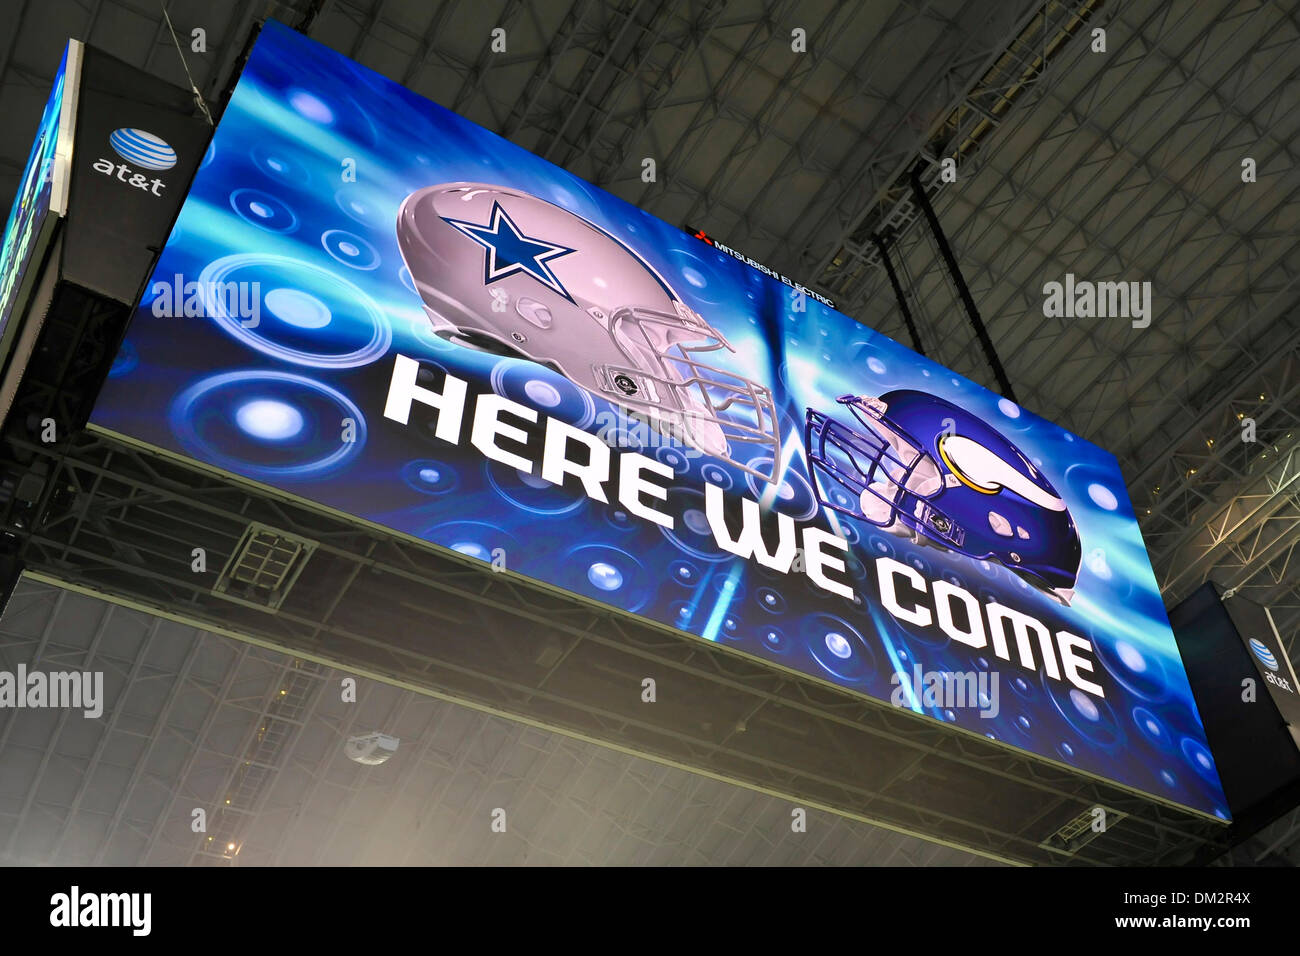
<point>1269,660</point>
<point>142,149</point>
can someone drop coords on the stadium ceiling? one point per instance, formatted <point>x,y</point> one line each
<point>1123,165</point>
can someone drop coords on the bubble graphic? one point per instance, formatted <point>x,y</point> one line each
<point>429,477</point>
<point>1199,757</point>
<point>619,519</point>
<point>270,420</point>
<point>524,382</point>
<point>1131,656</point>
<point>531,493</point>
<point>298,308</point>
<point>358,324</point>
<point>838,645</point>
<point>673,458</point>
<point>690,530</point>
<point>770,600</point>
<point>263,210</point>
<point>1097,564</point>
<point>1150,726</point>
<point>280,166</point>
<point>1008,408</point>
<point>1091,717</point>
<point>605,576</point>
<point>793,490</point>
<point>349,249</point>
<point>683,572</point>
<point>473,549</point>
<point>695,520</point>
<point>542,393</point>
<point>1084,705</point>
<point>477,539</point>
<point>241,421</point>
<point>1138,670</point>
<point>597,571</point>
<point>716,475</point>
<point>1102,496</point>
<point>311,107</point>
<point>774,640</point>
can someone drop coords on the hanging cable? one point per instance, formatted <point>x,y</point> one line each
<point>963,292</point>
<point>198,97</point>
<point>898,294</point>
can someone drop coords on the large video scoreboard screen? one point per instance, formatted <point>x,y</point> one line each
<point>375,305</point>
<point>31,205</point>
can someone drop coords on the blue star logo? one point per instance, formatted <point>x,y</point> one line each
<point>509,251</point>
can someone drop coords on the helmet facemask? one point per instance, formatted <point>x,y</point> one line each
<point>881,471</point>
<point>682,397</point>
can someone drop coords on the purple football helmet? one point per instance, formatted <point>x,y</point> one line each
<point>505,272</point>
<point>923,468</point>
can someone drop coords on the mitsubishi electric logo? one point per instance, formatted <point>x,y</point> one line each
<point>1264,654</point>
<point>140,149</point>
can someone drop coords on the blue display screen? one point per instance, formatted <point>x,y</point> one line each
<point>376,305</point>
<point>32,203</point>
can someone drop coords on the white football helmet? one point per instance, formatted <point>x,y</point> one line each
<point>505,272</point>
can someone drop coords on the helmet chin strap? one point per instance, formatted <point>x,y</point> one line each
<point>1064,595</point>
